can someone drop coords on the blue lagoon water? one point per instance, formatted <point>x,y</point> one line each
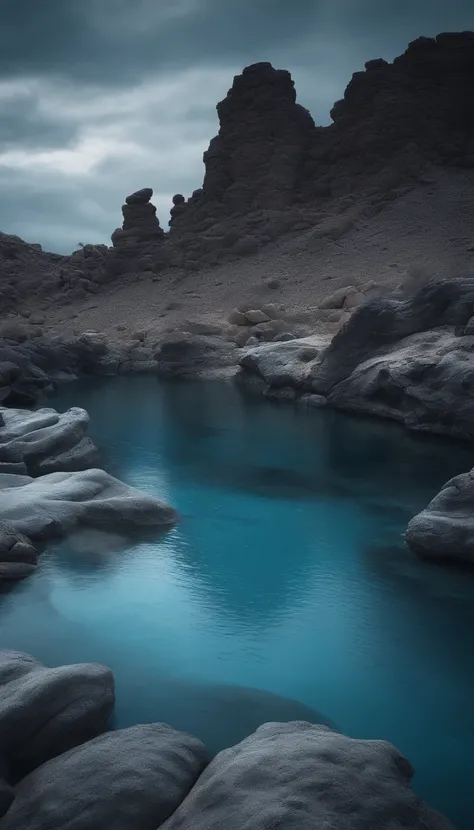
<point>287,574</point>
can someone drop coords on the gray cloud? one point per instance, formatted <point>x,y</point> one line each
<point>101,97</point>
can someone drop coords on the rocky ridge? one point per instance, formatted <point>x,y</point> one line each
<point>61,767</point>
<point>271,172</point>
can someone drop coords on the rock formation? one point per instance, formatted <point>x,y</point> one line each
<point>48,489</point>
<point>407,359</point>
<point>269,168</point>
<point>59,769</point>
<point>444,530</point>
<point>140,222</point>
<point>45,441</point>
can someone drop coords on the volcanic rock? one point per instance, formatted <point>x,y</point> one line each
<point>140,222</point>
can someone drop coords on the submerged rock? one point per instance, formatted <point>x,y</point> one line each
<point>44,712</point>
<point>444,530</point>
<point>55,504</point>
<point>296,776</point>
<point>135,777</point>
<point>219,714</point>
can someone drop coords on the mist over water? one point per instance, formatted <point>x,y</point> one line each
<point>287,574</point>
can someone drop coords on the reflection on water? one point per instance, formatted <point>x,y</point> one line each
<point>287,573</point>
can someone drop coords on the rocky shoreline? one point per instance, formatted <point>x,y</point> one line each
<point>61,767</point>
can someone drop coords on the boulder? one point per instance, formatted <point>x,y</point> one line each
<point>444,530</point>
<point>279,364</point>
<point>132,778</point>
<point>338,298</point>
<point>297,776</point>
<point>47,441</point>
<point>55,504</point>
<point>190,354</point>
<point>18,556</point>
<point>255,315</point>
<point>44,712</point>
<point>140,197</point>
<point>237,318</point>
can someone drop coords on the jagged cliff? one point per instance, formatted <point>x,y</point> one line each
<point>271,171</point>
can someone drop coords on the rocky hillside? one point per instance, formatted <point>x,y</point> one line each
<point>275,183</point>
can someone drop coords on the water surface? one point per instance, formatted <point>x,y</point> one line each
<point>286,574</point>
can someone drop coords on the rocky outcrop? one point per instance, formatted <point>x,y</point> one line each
<point>45,441</point>
<point>64,493</point>
<point>256,160</point>
<point>270,169</point>
<point>140,222</point>
<point>395,117</point>
<point>407,359</point>
<point>59,771</point>
<point>300,775</point>
<point>18,556</point>
<point>55,504</point>
<point>444,530</point>
<point>45,712</point>
<point>192,355</point>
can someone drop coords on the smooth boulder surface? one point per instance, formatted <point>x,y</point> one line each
<point>444,530</point>
<point>283,363</point>
<point>46,441</point>
<point>297,776</point>
<point>53,505</point>
<point>44,711</point>
<point>18,556</point>
<point>132,779</point>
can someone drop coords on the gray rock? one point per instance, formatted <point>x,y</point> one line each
<point>237,318</point>
<point>47,441</point>
<point>313,401</point>
<point>297,776</point>
<point>53,505</point>
<point>44,712</point>
<point>284,337</point>
<point>133,778</point>
<point>140,197</point>
<point>338,298</point>
<point>444,530</point>
<point>7,794</point>
<point>255,315</point>
<point>190,354</point>
<point>279,364</point>
<point>18,556</point>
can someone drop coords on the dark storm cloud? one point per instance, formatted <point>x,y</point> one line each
<point>101,97</point>
<point>111,41</point>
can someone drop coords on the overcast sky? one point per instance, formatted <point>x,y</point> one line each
<point>101,97</point>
